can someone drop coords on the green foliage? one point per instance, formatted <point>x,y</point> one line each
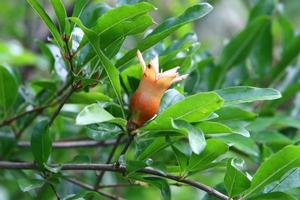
<point>231,126</point>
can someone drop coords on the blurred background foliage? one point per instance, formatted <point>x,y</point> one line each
<point>21,48</point>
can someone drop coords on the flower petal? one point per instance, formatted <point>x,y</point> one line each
<point>141,60</point>
<point>179,78</point>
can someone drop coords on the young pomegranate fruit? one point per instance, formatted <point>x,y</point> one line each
<point>145,101</point>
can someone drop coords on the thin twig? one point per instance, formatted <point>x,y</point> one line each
<point>73,144</point>
<point>63,101</point>
<point>89,187</point>
<point>20,132</point>
<point>115,168</point>
<point>131,137</point>
<point>36,109</point>
<point>111,155</point>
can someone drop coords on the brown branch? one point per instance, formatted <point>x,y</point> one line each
<point>73,144</point>
<point>63,101</point>
<point>89,187</point>
<point>111,155</point>
<point>36,109</point>
<point>115,168</point>
<point>60,91</point>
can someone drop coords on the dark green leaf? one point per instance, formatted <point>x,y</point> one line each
<point>60,12</point>
<point>47,20</point>
<point>78,7</point>
<point>7,143</point>
<point>8,89</point>
<point>166,28</point>
<point>239,47</point>
<point>290,53</point>
<point>41,142</point>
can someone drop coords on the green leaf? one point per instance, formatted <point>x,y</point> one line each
<point>239,47</point>
<point>273,196</point>
<point>88,98</point>
<point>242,143</point>
<point>191,109</point>
<point>234,113</point>
<point>78,7</point>
<point>181,158</point>
<point>291,52</point>
<point>195,135</point>
<point>214,148</point>
<point>47,20</point>
<point>289,181</point>
<point>169,98</point>
<point>104,131</point>
<point>26,184</point>
<point>8,89</point>
<point>209,127</point>
<point>94,113</point>
<point>60,12</point>
<point>154,147</point>
<point>274,168</point>
<point>41,142</point>
<point>235,180</point>
<point>162,185</point>
<point>111,71</point>
<point>7,143</point>
<point>166,28</point>
<point>246,94</point>
<point>116,19</point>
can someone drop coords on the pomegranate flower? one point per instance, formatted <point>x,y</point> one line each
<point>145,101</point>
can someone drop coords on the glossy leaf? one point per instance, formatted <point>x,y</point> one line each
<point>246,94</point>
<point>235,180</point>
<point>192,109</point>
<point>88,98</point>
<point>166,28</point>
<point>94,113</point>
<point>195,135</point>
<point>214,148</point>
<point>162,185</point>
<point>209,127</point>
<point>274,168</point>
<point>274,196</point>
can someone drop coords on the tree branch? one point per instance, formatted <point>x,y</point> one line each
<point>111,155</point>
<point>73,144</point>
<point>115,168</point>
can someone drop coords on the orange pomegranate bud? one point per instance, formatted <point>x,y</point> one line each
<point>145,101</point>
